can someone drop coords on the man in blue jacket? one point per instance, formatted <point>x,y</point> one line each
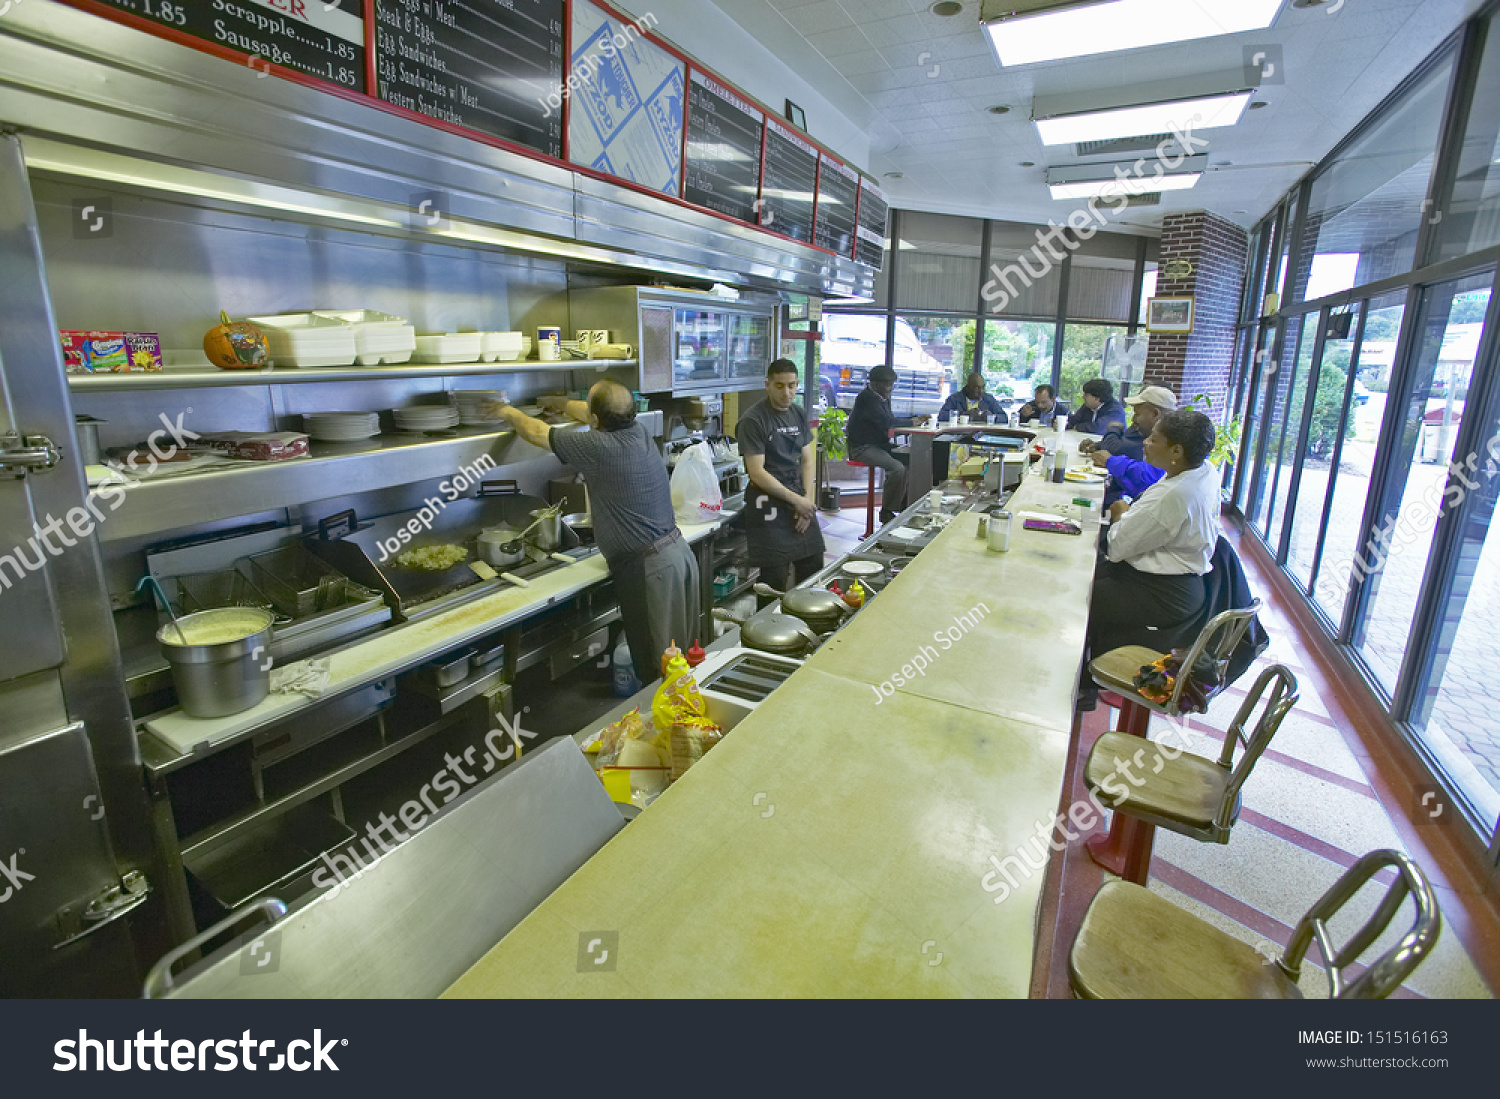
<point>1100,410</point>
<point>1131,474</point>
<point>972,401</point>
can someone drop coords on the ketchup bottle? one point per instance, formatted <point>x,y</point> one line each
<point>696,655</point>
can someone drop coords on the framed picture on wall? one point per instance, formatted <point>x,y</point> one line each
<point>796,116</point>
<point>1169,315</point>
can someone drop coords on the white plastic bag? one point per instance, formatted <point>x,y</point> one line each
<point>695,487</point>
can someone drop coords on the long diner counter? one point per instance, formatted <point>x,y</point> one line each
<point>836,843</point>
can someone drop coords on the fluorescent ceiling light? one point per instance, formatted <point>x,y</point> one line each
<point>1025,36</point>
<point>1200,113</point>
<point>1127,178</point>
<point>1098,188</point>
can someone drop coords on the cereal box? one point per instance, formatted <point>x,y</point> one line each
<point>100,352</point>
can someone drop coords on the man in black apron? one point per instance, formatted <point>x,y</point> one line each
<point>781,518</point>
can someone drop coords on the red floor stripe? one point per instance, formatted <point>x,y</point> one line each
<point>1310,843</point>
<point>1296,764</point>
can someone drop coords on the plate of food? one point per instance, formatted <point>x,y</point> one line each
<point>1088,475</point>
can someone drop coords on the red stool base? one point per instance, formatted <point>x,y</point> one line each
<point>869,501</point>
<point>1126,851</point>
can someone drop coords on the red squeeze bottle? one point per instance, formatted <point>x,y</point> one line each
<point>666,657</point>
<point>696,655</point>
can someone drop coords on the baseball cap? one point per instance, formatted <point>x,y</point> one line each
<point>1163,399</point>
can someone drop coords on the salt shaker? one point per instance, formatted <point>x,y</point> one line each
<point>999,532</point>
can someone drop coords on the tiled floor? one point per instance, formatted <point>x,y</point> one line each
<point>1316,802</point>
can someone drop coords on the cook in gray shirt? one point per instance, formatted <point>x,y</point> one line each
<point>630,495</point>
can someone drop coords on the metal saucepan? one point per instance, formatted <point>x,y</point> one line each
<point>580,524</point>
<point>547,523</point>
<point>501,547</point>
<point>224,666</point>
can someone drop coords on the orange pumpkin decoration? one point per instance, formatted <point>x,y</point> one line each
<point>236,345</point>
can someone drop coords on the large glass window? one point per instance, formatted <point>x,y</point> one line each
<point>938,266</point>
<point>1353,459</point>
<point>1332,419</point>
<point>1247,493</point>
<point>1286,425</point>
<point>1402,542</point>
<point>1366,208</point>
<point>1016,357</point>
<point>933,356</point>
<point>1457,704</point>
<point>1083,358</point>
<point>1471,212</point>
<point>852,344</point>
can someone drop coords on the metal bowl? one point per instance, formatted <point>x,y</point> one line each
<point>580,524</point>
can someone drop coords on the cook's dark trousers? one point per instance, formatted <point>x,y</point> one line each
<point>1131,607</point>
<point>893,495</point>
<point>658,592</point>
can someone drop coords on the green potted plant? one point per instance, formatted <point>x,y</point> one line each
<point>1226,449</point>
<point>833,446</point>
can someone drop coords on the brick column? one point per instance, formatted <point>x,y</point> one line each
<point>1202,361</point>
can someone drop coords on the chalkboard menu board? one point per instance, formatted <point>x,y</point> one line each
<point>838,192</point>
<point>789,184</point>
<point>304,35</point>
<point>486,65</point>
<point>723,150</point>
<point>873,215</point>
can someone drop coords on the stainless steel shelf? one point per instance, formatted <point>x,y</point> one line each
<point>196,379</point>
<point>169,501</point>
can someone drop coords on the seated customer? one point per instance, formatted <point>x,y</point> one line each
<point>1149,406</point>
<point>1043,407</point>
<point>869,436</point>
<point>1149,591</point>
<point>1100,409</point>
<point>972,401</point>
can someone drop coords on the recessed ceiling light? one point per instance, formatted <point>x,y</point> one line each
<point>1309,3</point>
<point>1201,113</point>
<point>895,175</point>
<point>1032,163</point>
<point>1070,29</point>
<point>1241,211</point>
<point>999,109</point>
<point>946,8</point>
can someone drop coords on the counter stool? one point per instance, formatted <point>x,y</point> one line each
<point>1136,945</point>
<point>1127,850</point>
<point>869,497</point>
<point>1188,794</point>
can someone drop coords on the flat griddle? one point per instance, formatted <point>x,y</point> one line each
<point>362,555</point>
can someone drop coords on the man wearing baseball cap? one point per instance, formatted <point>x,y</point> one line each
<point>1121,453</point>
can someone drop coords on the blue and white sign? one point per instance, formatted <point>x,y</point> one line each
<point>626,97</point>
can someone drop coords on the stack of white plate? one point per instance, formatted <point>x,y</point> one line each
<point>426,418</point>
<point>341,427</point>
<point>472,404</point>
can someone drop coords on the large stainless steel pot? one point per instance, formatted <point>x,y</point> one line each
<point>221,660</point>
<point>548,528</point>
<point>778,633</point>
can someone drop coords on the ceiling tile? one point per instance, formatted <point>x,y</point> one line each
<point>815,18</point>
<point>905,30</point>
<point>856,64</point>
<point>837,43</point>
<point>868,11</point>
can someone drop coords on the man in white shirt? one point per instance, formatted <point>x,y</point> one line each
<point>1150,589</point>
